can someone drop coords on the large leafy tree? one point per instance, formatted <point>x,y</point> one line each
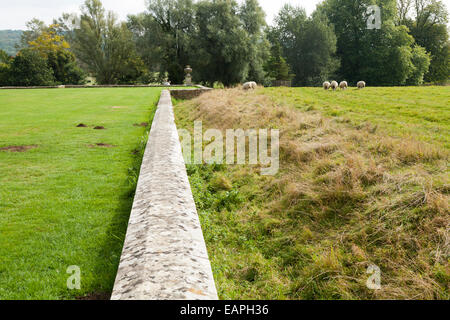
<point>439,71</point>
<point>427,21</point>
<point>147,37</point>
<point>308,43</point>
<point>105,46</point>
<point>29,68</point>
<point>66,25</point>
<point>35,28</point>
<point>53,47</point>
<point>220,43</point>
<point>420,60</point>
<point>379,56</point>
<point>163,37</point>
<point>221,40</point>
<point>276,66</point>
<point>49,41</point>
<point>253,19</point>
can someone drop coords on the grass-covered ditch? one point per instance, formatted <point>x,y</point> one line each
<point>363,181</point>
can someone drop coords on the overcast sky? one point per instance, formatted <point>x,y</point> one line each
<point>14,14</point>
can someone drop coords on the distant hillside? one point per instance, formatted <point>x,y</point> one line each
<point>9,39</point>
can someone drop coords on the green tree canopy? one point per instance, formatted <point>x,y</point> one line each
<point>5,64</point>
<point>229,42</point>
<point>427,21</point>
<point>29,68</point>
<point>221,40</point>
<point>220,43</point>
<point>4,57</point>
<point>163,36</point>
<point>35,28</point>
<point>53,47</point>
<point>276,66</point>
<point>420,60</point>
<point>308,43</point>
<point>104,46</point>
<point>253,19</point>
<point>378,56</point>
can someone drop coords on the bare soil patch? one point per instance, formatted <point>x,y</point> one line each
<point>102,296</point>
<point>143,124</point>
<point>81,125</point>
<point>103,145</point>
<point>99,128</point>
<point>18,148</point>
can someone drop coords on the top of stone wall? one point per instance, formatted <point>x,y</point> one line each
<point>164,255</point>
<point>186,94</point>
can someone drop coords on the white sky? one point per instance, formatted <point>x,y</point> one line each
<point>14,14</point>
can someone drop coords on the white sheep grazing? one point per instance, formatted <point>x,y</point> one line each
<point>326,85</point>
<point>361,85</point>
<point>250,85</point>
<point>343,85</point>
<point>334,85</point>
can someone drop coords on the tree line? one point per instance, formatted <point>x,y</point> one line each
<point>228,43</point>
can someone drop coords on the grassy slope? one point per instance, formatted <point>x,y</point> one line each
<point>357,185</point>
<point>65,203</point>
<point>422,112</point>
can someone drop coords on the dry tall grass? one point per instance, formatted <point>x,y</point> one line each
<point>345,197</point>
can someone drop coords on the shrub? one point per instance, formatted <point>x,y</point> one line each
<point>5,64</point>
<point>30,69</point>
<point>421,62</point>
<point>65,68</point>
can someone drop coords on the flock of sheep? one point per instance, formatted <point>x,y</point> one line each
<point>343,85</point>
<point>326,85</point>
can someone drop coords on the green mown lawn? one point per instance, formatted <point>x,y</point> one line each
<point>67,201</point>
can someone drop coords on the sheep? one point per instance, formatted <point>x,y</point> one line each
<point>343,85</point>
<point>334,85</point>
<point>326,85</point>
<point>250,85</point>
<point>361,85</point>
